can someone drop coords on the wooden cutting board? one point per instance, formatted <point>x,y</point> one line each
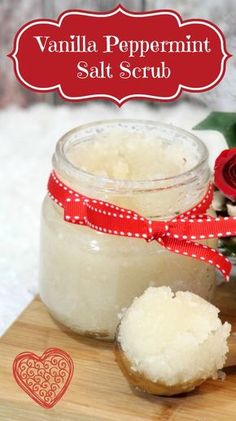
<point>98,391</point>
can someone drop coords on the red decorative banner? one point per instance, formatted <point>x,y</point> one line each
<point>120,55</point>
<point>45,379</point>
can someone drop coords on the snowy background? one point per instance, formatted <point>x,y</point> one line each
<point>28,135</point>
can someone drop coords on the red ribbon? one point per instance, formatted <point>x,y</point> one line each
<point>178,235</point>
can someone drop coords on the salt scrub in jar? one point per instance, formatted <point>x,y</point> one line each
<point>157,170</point>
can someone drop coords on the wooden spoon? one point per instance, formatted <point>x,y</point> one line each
<point>138,380</point>
<point>231,356</point>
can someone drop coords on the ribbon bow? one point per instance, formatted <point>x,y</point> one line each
<point>178,235</point>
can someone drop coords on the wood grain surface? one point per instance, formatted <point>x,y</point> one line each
<point>98,390</point>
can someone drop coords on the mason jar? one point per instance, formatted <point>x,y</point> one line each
<point>158,170</point>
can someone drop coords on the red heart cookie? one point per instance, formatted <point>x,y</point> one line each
<point>45,379</point>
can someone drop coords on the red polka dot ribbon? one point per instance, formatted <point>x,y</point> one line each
<point>177,235</point>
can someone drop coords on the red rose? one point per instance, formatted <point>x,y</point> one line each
<point>225,173</point>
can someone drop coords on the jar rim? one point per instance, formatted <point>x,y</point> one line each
<point>60,160</point>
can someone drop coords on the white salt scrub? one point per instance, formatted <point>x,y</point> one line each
<point>170,343</point>
<point>118,155</point>
<point>87,277</point>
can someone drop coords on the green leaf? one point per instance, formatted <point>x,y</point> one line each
<point>222,122</point>
<point>229,246</point>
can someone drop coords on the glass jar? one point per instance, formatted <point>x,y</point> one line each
<point>87,277</point>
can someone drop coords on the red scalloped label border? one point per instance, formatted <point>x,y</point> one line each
<point>45,71</point>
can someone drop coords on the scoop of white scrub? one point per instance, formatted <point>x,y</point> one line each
<point>170,343</point>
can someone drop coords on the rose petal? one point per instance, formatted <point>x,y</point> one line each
<point>225,173</point>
